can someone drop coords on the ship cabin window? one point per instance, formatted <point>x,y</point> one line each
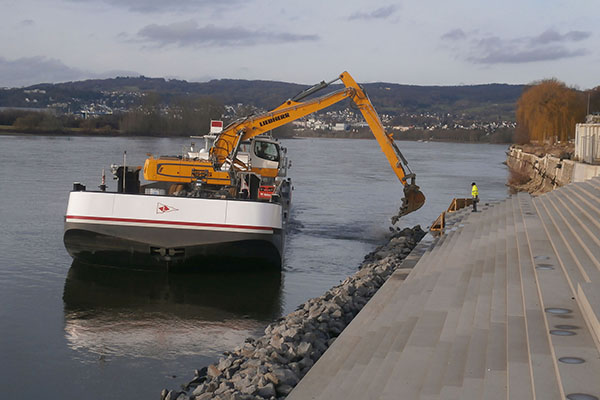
<point>266,150</point>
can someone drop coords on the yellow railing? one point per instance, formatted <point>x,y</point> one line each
<point>440,223</point>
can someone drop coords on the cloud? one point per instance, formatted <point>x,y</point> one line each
<point>188,33</point>
<point>510,56</point>
<point>549,45</point>
<point>39,69</point>
<point>154,6</point>
<point>455,34</point>
<point>27,22</point>
<point>551,36</point>
<point>380,13</point>
<point>30,70</point>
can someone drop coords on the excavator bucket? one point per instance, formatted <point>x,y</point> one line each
<point>412,201</point>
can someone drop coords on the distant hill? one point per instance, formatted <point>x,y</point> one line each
<point>491,101</point>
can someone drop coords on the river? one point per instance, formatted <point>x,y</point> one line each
<point>73,331</point>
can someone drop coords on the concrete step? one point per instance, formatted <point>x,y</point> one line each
<point>584,223</point>
<point>472,318</point>
<point>330,362</point>
<point>445,352</point>
<point>475,368</point>
<point>424,264</point>
<point>585,200</point>
<point>519,381</point>
<point>585,204</point>
<point>588,298</point>
<point>379,365</point>
<point>413,308</point>
<point>572,267</point>
<point>446,371</point>
<point>574,270</point>
<point>372,351</point>
<point>495,375</point>
<point>590,189</point>
<point>595,181</point>
<point>577,251</point>
<point>553,291</point>
<point>453,366</point>
<point>531,243</point>
<point>342,351</point>
<point>335,362</point>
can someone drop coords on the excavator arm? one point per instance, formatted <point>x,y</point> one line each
<point>227,142</point>
<point>226,145</point>
<point>413,197</point>
<point>221,169</point>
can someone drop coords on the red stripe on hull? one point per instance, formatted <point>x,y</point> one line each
<point>176,223</point>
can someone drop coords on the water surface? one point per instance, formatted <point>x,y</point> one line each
<point>73,331</point>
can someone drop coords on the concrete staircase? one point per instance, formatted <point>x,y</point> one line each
<point>505,304</point>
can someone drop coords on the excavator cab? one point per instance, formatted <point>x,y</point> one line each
<point>265,156</point>
<point>266,150</point>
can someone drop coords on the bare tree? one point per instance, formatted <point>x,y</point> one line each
<point>548,111</point>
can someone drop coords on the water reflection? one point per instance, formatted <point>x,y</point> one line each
<point>116,312</point>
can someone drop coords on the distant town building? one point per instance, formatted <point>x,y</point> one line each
<point>340,126</point>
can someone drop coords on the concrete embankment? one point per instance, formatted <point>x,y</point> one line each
<point>537,173</point>
<point>270,366</point>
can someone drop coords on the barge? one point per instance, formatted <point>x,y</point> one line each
<point>171,224</point>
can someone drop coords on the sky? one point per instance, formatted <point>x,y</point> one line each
<point>424,42</point>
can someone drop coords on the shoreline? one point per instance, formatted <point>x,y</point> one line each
<point>270,366</point>
<point>124,135</point>
<point>541,169</point>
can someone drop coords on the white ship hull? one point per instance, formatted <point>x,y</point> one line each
<point>138,230</point>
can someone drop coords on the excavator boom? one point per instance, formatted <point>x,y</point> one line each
<point>251,126</point>
<point>413,197</point>
<point>218,170</point>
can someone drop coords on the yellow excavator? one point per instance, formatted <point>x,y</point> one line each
<point>223,170</point>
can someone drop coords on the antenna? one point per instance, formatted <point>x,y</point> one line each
<point>588,104</point>
<point>124,169</point>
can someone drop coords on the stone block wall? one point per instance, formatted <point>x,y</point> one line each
<point>548,172</point>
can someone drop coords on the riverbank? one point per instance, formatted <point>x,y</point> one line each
<point>424,135</point>
<point>77,132</point>
<point>500,136</point>
<point>270,366</point>
<point>541,169</point>
<point>12,131</point>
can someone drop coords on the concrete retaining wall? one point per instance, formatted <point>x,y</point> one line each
<point>583,172</point>
<point>548,172</point>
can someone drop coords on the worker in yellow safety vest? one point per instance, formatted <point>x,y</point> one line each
<point>475,194</point>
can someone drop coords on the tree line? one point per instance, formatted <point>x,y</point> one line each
<point>548,111</point>
<point>181,116</point>
<point>184,116</point>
